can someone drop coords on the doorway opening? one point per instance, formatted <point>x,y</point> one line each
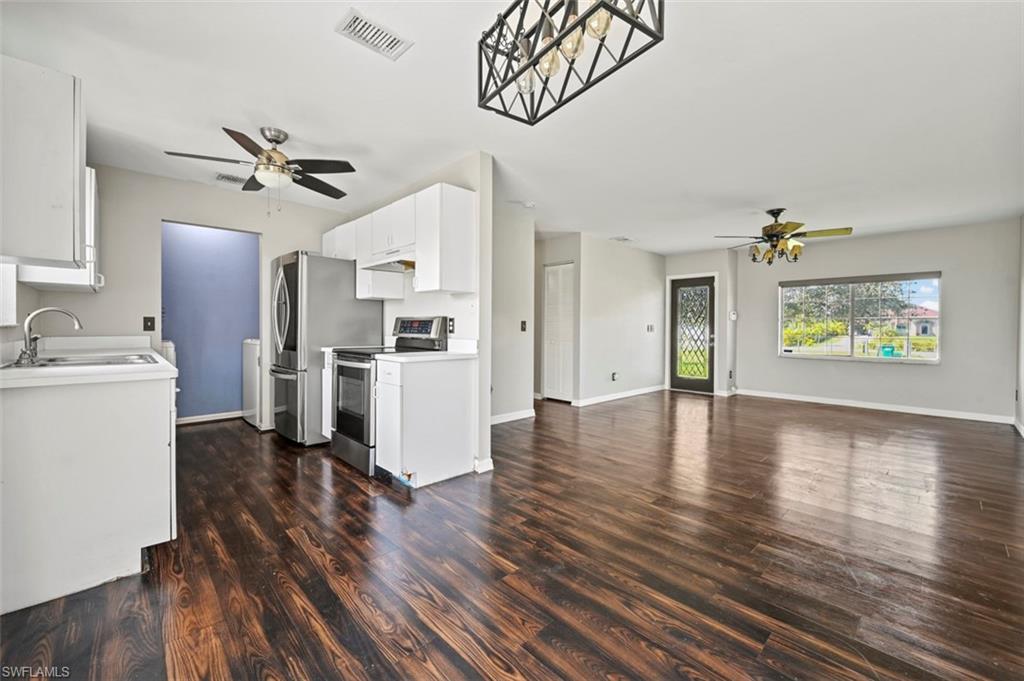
<point>692,343</point>
<point>210,304</point>
<point>559,355</point>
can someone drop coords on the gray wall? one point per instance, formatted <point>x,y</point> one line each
<point>513,303</point>
<point>980,267</point>
<point>622,291</point>
<point>555,251</point>
<point>133,207</point>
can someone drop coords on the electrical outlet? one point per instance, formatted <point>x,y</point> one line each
<point>522,325</point>
<point>149,323</point>
<point>730,373</point>
<point>650,328</point>
<point>451,325</point>
<point>615,375</point>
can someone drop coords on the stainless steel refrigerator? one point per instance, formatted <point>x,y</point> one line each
<point>313,305</point>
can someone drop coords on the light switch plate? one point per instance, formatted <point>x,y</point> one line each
<point>149,323</point>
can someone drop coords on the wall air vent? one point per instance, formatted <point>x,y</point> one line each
<point>621,239</point>
<point>370,34</point>
<point>230,179</point>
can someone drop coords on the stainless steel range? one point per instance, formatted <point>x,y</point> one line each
<point>353,419</point>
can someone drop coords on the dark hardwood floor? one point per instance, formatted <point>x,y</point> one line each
<point>663,536</point>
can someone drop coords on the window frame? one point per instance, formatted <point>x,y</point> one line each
<point>910,276</point>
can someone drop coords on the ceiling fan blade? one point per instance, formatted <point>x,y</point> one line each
<point>791,227</point>
<point>317,185</point>
<point>245,142</point>
<point>814,233</point>
<point>252,185</point>
<point>746,236</point>
<point>208,158</point>
<point>749,243</point>
<point>313,165</point>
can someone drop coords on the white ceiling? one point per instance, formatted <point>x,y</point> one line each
<point>877,115</point>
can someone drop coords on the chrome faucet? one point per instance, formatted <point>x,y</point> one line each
<point>29,352</point>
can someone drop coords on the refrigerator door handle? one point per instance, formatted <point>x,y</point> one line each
<point>277,302</point>
<point>284,376</point>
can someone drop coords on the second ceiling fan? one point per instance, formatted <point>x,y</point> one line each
<point>780,239</point>
<point>273,169</point>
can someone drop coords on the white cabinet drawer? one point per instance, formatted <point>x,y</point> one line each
<point>389,372</point>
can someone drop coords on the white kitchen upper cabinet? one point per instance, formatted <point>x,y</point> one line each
<point>65,278</point>
<point>446,234</point>
<point>43,140</point>
<point>394,227</point>
<point>371,285</point>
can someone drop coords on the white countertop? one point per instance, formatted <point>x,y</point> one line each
<point>425,356</point>
<point>33,377</point>
<point>429,356</point>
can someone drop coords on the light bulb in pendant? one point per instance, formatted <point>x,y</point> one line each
<point>549,64</point>
<point>524,83</point>
<point>572,44</point>
<point>599,22</point>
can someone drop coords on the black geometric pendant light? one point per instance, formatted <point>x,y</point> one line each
<point>541,54</point>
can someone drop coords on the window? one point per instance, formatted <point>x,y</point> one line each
<point>894,317</point>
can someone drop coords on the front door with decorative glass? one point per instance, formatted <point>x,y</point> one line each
<point>693,335</point>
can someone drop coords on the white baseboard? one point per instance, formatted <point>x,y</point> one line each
<point>725,393</point>
<point>484,465</point>
<point>209,417</point>
<point>538,396</point>
<point>881,406</point>
<point>512,416</point>
<point>617,396</point>
<point>1020,427</point>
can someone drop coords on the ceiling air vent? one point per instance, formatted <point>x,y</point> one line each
<point>230,179</point>
<point>620,239</point>
<point>370,34</point>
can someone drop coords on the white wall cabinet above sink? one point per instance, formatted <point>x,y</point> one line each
<point>42,135</point>
<point>66,278</point>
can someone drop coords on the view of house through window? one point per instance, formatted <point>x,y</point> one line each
<point>888,317</point>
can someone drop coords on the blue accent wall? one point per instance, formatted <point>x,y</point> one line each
<point>210,287</point>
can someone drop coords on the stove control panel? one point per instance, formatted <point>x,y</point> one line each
<point>421,327</point>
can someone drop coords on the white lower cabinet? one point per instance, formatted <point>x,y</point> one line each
<point>80,501</point>
<point>426,418</point>
<point>389,431</point>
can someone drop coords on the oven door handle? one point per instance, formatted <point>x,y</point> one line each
<point>284,376</point>
<point>352,365</point>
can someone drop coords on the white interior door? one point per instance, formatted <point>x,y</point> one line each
<point>559,330</point>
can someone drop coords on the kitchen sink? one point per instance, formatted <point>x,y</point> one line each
<point>89,361</point>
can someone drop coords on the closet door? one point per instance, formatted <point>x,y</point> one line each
<point>559,331</point>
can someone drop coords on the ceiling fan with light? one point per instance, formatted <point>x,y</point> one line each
<point>275,170</point>
<point>780,239</point>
